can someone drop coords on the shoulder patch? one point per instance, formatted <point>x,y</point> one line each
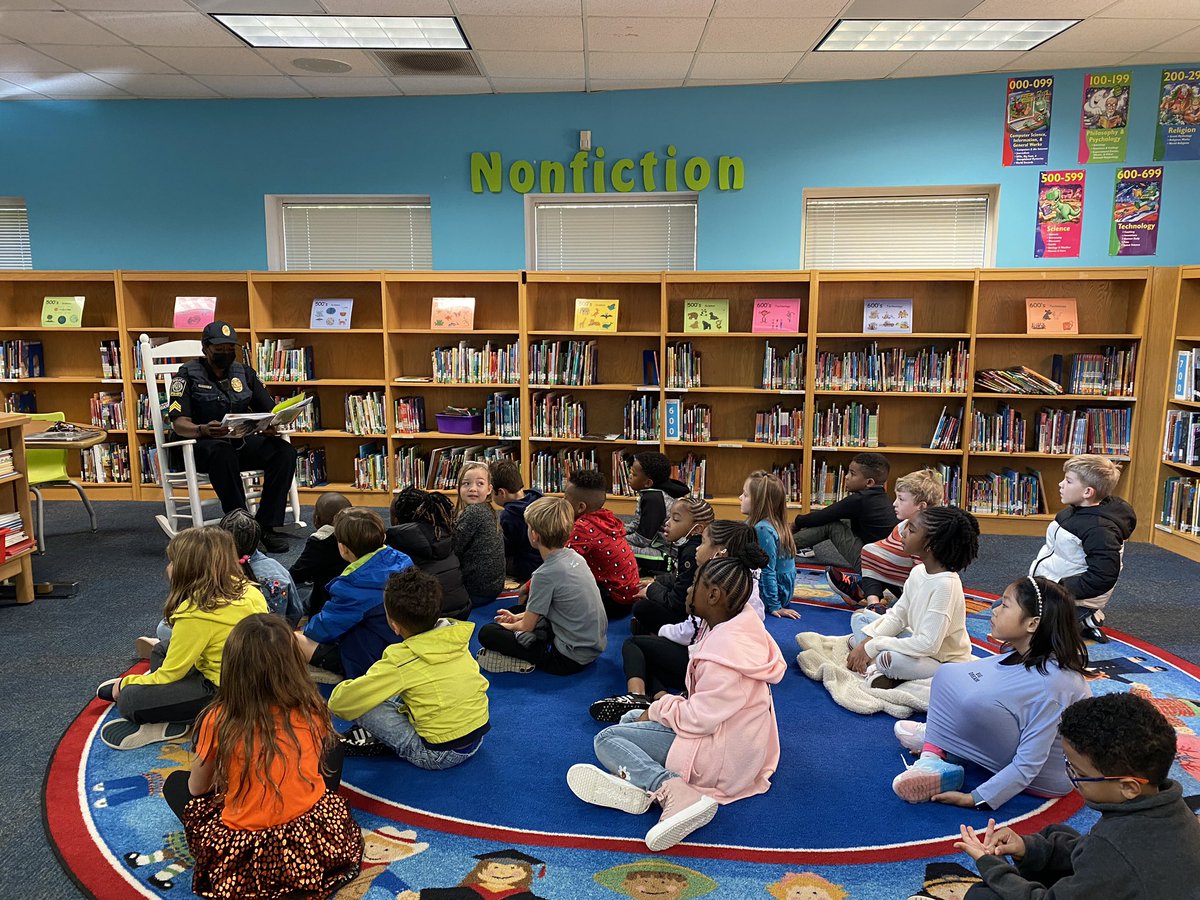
<point>178,386</point>
<point>236,384</point>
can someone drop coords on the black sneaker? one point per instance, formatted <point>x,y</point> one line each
<point>847,584</point>
<point>611,709</point>
<point>273,541</point>
<point>1089,626</point>
<point>360,742</point>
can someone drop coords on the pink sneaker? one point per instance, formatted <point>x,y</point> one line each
<point>684,809</point>
<point>911,735</point>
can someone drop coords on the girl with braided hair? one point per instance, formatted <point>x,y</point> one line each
<point>423,528</point>
<point>718,744</point>
<point>664,599</point>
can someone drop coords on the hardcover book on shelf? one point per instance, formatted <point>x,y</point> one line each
<point>62,312</point>
<point>333,315</point>
<point>776,316</point>
<point>194,312</point>
<point>452,314</point>
<point>706,316</point>
<point>596,315</point>
<point>887,316</point>
<point>650,368</point>
<point>1051,315</point>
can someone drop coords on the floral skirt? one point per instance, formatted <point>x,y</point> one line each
<point>311,856</point>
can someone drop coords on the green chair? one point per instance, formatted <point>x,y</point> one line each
<point>49,467</point>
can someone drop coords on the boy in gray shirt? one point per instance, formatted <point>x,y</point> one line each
<point>563,627</point>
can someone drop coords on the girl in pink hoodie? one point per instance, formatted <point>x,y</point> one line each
<point>718,744</point>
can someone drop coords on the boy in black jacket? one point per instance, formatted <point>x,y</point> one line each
<point>650,476</point>
<point>513,498</point>
<point>423,529</point>
<point>320,562</point>
<point>863,516</point>
<point>1146,846</point>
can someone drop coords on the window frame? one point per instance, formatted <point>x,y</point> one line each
<point>19,203</point>
<point>274,204</point>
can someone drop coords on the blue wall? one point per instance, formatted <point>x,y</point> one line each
<point>180,184</point>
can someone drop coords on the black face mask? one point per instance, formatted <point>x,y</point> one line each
<point>221,359</point>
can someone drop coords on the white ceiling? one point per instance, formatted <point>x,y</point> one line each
<point>125,49</point>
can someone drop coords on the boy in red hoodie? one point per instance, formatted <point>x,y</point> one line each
<point>599,537</point>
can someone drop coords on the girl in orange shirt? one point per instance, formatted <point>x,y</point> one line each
<point>259,806</point>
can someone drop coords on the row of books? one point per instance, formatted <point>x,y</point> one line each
<point>108,411</point>
<point>549,470</point>
<point>22,359</point>
<point>1007,492</point>
<point>790,476</point>
<point>471,365</point>
<point>557,415</point>
<point>13,537</point>
<point>410,415</point>
<point>282,360</point>
<point>20,402</point>
<point>371,468</point>
<point>639,419</point>
<point>563,362</point>
<point>7,467</point>
<point>309,419</point>
<point>683,365</point>
<point>1000,432</point>
<point>1017,380</point>
<point>1103,431</point>
<point>855,425</point>
<point>779,426</point>
<point>694,423</point>
<point>311,470</point>
<point>783,372</point>
<point>1181,438</point>
<point>1187,385</point>
<point>828,482</point>
<point>139,372</point>
<point>1108,374</point>
<point>947,434</point>
<point>692,471</point>
<point>502,415</point>
<point>148,463</point>
<point>894,369</point>
<point>441,466</point>
<point>365,413</point>
<point>105,464</point>
<point>1181,504</point>
<point>110,359</point>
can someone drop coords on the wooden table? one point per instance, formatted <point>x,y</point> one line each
<point>14,497</point>
<point>90,436</point>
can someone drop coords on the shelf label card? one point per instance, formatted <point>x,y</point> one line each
<point>776,316</point>
<point>332,315</point>
<point>1051,315</point>
<point>62,312</point>
<point>887,316</point>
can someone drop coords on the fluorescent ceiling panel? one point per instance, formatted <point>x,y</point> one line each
<point>909,35</point>
<point>359,32</point>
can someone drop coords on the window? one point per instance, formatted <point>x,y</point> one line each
<point>593,233</point>
<point>14,234</point>
<point>345,233</point>
<point>907,228</point>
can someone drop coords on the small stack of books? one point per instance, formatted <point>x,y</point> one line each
<point>790,476</point>
<point>828,483</point>
<point>549,470</point>
<point>6,463</point>
<point>370,468</point>
<point>640,418</point>
<point>106,464</point>
<point>1102,431</point>
<point>410,415</point>
<point>951,482</point>
<point>783,373</point>
<point>22,359</point>
<point>1000,432</point>
<point>110,359</point>
<point>691,470</point>
<point>1017,380</point>
<point>108,411</point>
<point>1108,374</point>
<point>364,412</point>
<point>465,364</point>
<point>622,465</point>
<point>412,467</point>
<point>557,415</point>
<point>947,434</point>
<point>683,365</point>
<point>13,539</point>
<point>695,423</point>
<point>502,415</point>
<point>563,362</point>
<point>148,464</point>
<point>282,360</point>
<point>1006,492</point>
<point>1181,504</point>
<point>310,466</point>
<point>779,426</point>
<point>21,402</point>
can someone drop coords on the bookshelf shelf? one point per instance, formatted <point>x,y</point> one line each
<point>1182,467</point>
<point>331,382</point>
<point>1190,404</point>
<point>12,476</point>
<point>588,335</point>
<point>1049,398</point>
<point>457,385</point>
<point>890,450</point>
<point>1033,454</point>
<point>891,336</point>
<point>454,438</point>
<point>826,392</point>
<point>1057,337</point>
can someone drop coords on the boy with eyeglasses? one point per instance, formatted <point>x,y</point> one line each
<point>1118,751</point>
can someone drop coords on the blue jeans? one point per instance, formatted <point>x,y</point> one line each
<point>638,748</point>
<point>390,723</point>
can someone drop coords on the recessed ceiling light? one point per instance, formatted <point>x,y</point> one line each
<point>912,35</point>
<point>360,32</point>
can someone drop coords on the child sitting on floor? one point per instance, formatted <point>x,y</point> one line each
<point>884,563</point>
<point>927,626</point>
<point>477,538</point>
<point>209,596</point>
<point>764,504</point>
<point>1118,751</point>
<point>718,744</point>
<point>650,477</point>
<point>269,574</point>
<point>563,627</point>
<point>514,498</point>
<point>425,700</point>
<point>260,806</point>
<point>863,516</point>
<point>1002,712</point>
<point>664,600</point>
<point>320,562</point>
<point>423,529</point>
<point>599,537</point>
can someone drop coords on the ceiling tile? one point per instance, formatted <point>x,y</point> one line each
<point>1105,34</point>
<point>762,35</point>
<point>523,32</point>
<point>1043,60</point>
<point>243,86</point>
<point>19,58</point>
<point>260,7</point>
<point>954,62</point>
<point>743,66</point>
<point>632,84</point>
<point>1155,58</point>
<point>1152,9</point>
<point>44,5</point>
<point>909,9</point>
<point>668,9</point>
<point>214,60</point>
<point>77,84</point>
<point>537,85</point>
<point>855,66</point>
<point>514,64</point>
<point>1186,42</point>
<point>164,29</point>
<point>1038,9</point>
<point>519,7</point>
<point>106,59</point>
<point>423,85</point>
<point>388,8</point>
<point>725,82</point>
<point>128,5</point>
<point>643,34</point>
<point>360,62</point>
<point>162,86</point>
<point>9,91</point>
<point>53,28</point>
<point>777,9</point>
<point>638,65</point>
<point>347,86</point>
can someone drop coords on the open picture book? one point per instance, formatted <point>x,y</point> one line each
<point>283,415</point>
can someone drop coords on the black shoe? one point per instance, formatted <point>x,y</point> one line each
<point>360,742</point>
<point>611,709</point>
<point>1089,626</point>
<point>273,541</point>
<point>847,584</point>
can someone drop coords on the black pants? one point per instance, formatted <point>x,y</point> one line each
<point>612,608</point>
<point>224,460</point>
<point>541,652</point>
<point>177,701</point>
<point>177,793</point>
<point>659,662</point>
<point>652,615</point>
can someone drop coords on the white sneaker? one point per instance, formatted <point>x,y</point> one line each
<point>592,784</point>
<point>911,735</point>
<point>684,809</point>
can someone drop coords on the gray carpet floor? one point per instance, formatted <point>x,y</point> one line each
<point>54,652</point>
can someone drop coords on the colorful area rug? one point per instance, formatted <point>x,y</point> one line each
<point>829,829</point>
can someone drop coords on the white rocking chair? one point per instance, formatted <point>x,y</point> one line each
<point>158,369</point>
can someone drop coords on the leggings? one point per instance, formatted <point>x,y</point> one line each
<point>659,662</point>
<point>894,665</point>
<point>652,615</point>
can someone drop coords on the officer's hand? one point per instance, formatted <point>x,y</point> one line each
<point>213,429</point>
<point>270,432</point>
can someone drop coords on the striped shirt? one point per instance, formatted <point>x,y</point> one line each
<point>885,561</point>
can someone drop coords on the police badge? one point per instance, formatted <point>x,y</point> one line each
<point>178,386</point>
<point>236,384</point>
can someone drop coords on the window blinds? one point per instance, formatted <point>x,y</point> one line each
<point>621,237</point>
<point>896,232</point>
<point>357,236</point>
<point>14,237</point>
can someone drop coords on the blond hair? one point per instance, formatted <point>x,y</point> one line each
<point>791,880</point>
<point>923,485</point>
<point>204,571</point>
<point>552,519</point>
<point>467,468</point>
<point>1099,473</point>
<point>768,502</point>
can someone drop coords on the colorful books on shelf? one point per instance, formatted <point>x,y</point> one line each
<point>1187,385</point>
<point>1101,431</point>
<point>947,434</point>
<point>639,419</point>
<point>1181,504</point>
<point>106,464</point>
<point>13,537</point>
<point>145,421</point>
<point>62,312</point>
<point>410,417</point>
<point>779,426</point>
<point>332,315</point>
<point>108,411</point>
<point>789,474</point>
<point>365,412</point>
<point>775,316</point>
<point>1181,437</point>
<point>1007,492</point>
<point>371,468</point>
<point>854,425</point>
<point>706,316</point>
<point>783,372</point>
<point>596,315</point>
<point>444,462</point>
<point>683,365</point>
<point>194,313</point>
<point>691,470</point>
<point>465,364</point>
<point>6,463</point>
<point>110,359</point>
<point>452,314</point>
<point>549,470</point>
<point>148,464</point>
<point>411,467</point>
<point>172,361</point>
<point>1000,432</point>
<point>828,483</point>
<point>928,369</point>
<point>557,415</point>
<point>887,316</point>
<point>310,466</point>
<point>951,482</point>
<point>622,466</point>
<point>502,415</point>
<point>695,423</point>
<point>568,363</point>
<point>309,418</point>
<point>22,359</point>
<point>1108,374</point>
<point>1017,380</point>
<point>20,402</point>
<point>282,360</point>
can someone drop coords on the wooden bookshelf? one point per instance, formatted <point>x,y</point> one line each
<point>14,497</point>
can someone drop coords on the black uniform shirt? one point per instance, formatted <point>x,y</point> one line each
<point>198,394</point>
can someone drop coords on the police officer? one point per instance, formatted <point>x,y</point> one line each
<point>202,392</point>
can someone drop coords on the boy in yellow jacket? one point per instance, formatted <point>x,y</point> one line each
<point>425,700</point>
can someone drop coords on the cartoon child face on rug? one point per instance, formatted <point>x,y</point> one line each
<point>653,879</point>
<point>806,886</point>
<point>507,873</point>
<point>381,848</point>
<point>946,881</point>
